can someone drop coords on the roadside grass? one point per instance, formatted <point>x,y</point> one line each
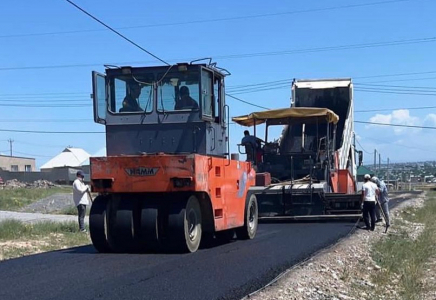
<point>13,199</point>
<point>18,238</point>
<point>402,258</point>
<point>72,210</point>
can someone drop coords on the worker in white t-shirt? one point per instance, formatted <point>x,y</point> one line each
<point>369,192</point>
<point>80,197</point>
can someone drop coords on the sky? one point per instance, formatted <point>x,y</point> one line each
<point>48,49</point>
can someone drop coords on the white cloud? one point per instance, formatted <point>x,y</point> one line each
<point>430,119</point>
<point>401,117</point>
<point>400,143</point>
<point>379,118</point>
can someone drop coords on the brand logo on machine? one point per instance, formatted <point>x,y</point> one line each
<point>142,171</point>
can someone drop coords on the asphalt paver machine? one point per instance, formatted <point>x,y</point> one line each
<point>312,167</point>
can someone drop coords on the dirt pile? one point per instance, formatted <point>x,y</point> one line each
<point>38,184</point>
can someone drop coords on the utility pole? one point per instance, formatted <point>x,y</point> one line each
<point>375,161</point>
<point>387,171</point>
<point>379,162</point>
<point>10,145</point>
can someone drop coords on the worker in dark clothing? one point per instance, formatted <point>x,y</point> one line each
<point>130,102</point>
<point>185,101</point>
<point>252,147</point>
<point>383,200</point>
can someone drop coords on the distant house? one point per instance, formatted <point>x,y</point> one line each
<point>70,157</point>
<point>64,166</point>
<point>17,164</point>
<point>361,171</point>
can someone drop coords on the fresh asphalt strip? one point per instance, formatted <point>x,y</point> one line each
<point>225,271</point>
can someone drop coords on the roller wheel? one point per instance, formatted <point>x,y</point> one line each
<point>121,227</point>
<point>184,226</point>
<point>98,224</point>
<point>149,227</point>
<point>248,231</point>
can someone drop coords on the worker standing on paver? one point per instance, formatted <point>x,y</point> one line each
<point>369,192</point>
<point>80,197</point>
<point>383,199</point>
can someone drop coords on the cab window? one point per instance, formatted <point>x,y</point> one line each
<point>207,102</point>
<point>178,91</point>
<point>131,96</point>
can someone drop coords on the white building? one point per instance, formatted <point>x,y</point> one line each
<point>70,157</point>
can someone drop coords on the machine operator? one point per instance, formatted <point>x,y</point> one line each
<point>130,102</point>
<point>185,101</point>
<point>253,147</point>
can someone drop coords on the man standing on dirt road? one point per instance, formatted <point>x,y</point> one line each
<point>383,199</point>
<point>80,197</point>
<point>369,192</point>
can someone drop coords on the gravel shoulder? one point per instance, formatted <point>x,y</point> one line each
<point>335,272</point>
<point>36,217</point>
<point>50,204</point>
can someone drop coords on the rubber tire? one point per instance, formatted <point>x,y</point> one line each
<point>98,224</point>
<point>122,229</point>
<point>149,227</point>
<point>248,232</point>
<point>178,226</point>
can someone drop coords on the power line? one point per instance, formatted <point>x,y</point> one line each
<point>44,120</point>
<point>395,75</point>
<point>35,155</point>
<point>247,17</point>
<point>246,102</point>
<point>397,108</point>
<point>396,125</point>
<point>256,54</point>
<point>397,86</point>
<point>398,145</point>
<point>39,145</point>
<point>402,80</point>
<point>33,101</point>
<point>393,92</point>
<point>259,85</point>
<point>283,82</point>
<point>11,141</point>
<point>49,132</point>
<point>249,91</point>
<point>362,147</point>
<point>330,48</point>
<point>53,94</point>
<point>276,86</point>
<point>116,32</point>
<point>289,80</point>
<point>47,105</point>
